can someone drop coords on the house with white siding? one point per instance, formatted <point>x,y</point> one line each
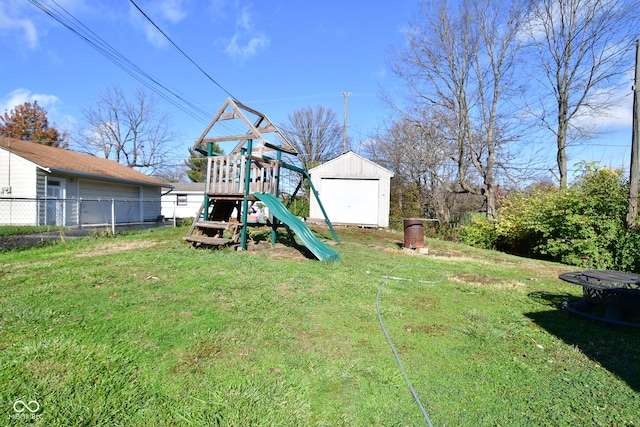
<point>183,200</point>
<point>43,185</point>
<point>353,190</point>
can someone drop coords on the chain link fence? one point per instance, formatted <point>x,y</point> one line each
<point>78,213</point>
<point>61,219</point>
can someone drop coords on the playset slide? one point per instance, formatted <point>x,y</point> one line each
<point>280,211</point>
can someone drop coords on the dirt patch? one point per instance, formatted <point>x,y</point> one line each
<point>487,283</point>
<point>115,247</point>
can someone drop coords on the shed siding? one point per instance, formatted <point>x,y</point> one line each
<point>351,166</point>
<point>152,207</point>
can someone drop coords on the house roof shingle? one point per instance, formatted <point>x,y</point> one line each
<point>59,160</point>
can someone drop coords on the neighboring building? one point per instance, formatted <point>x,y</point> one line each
<point>184,200</point>
<point>42,185</point>
<point>353,191</point>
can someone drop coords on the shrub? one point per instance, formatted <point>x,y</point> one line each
<point>580,226</point>
<point>516,228</point>
<point>627,251</point>
<point>299,207</point>
<point>479,233</point>
<point>440,231</point>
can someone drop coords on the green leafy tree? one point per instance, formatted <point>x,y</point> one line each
<point>29,122</point>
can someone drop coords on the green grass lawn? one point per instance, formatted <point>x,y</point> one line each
<point>142,330</point>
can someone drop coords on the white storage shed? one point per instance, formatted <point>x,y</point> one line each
<point>353,191</point>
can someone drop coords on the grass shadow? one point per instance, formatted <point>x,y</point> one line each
<point>305,251</point>
<point>614,347</point>
<point>263,235</point>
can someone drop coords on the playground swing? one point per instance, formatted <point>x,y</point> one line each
<point>244,176</point>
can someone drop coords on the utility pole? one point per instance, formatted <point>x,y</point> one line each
<point>635,145</point>
<point>346,109</point>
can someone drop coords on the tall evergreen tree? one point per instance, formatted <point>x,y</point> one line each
<point>196,164</point>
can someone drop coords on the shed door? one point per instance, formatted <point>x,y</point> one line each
<point>352,201</point>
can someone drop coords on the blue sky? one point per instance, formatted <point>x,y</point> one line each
<point>274,56</point>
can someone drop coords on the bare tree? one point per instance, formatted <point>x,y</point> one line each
<point>582,47</point>
<point>459,63</point>
<point>130,131</point>
<point>316,134</point>
<point>424,178</point>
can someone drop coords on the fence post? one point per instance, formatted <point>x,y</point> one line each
<point>113,217</point>
<point>78,212</point>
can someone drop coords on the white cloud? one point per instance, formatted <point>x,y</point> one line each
<point>166,11</point>
<point>247,41</point>
<point>23,24</point>
<point>172,10</point>
<point>65,123</point>
<point>619,115</point>
<point>22,95</point>
<point>382,73</point>
<point>153,36</point>
<point>217,9</point>
<point>11,23</point>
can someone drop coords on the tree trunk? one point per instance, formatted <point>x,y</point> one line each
<point>562,152</point>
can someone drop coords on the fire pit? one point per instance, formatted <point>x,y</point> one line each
<point>617,292</point>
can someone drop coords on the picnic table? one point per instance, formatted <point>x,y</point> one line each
<point>618,292</point>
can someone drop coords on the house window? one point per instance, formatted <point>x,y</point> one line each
<point>181,200</point>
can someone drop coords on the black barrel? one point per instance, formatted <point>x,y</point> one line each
<point>413,233</point>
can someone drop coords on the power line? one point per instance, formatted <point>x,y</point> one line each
<point>69,21</point>
<point>86,34</point>
<point>196,111</point>
<point>182,51</point>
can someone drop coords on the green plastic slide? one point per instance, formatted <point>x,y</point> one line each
<point>280,211</point>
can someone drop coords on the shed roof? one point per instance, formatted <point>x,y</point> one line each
<point>59,160</point>
<point>349,158</point>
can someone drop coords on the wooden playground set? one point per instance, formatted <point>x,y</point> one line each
<point>249,174</point>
